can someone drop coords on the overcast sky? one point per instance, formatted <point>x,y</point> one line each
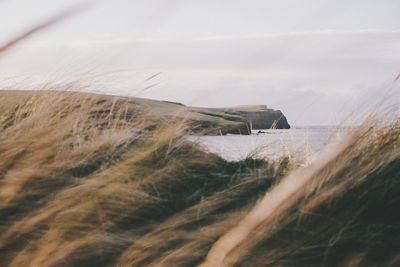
<point>316,60</point>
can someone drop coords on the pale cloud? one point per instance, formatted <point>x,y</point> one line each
<point>216,38</point>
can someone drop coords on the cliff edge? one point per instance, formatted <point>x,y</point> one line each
<point>257,116</point>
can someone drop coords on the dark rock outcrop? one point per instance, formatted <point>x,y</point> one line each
<point>267,119</point>
<point>256,116</point>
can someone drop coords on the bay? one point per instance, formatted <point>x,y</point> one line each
<point>299,143</point>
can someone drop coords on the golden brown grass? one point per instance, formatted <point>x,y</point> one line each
<point>90,181</point>
<point>340,211</point>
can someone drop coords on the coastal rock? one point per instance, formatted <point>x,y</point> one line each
<point>265,119</point>
<point>256,116</point>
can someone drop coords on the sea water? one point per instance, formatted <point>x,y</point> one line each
<point>299,143</point>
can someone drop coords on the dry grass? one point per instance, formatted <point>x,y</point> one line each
<point>88,181</point>
<point>92,181</point>
<point>340,211</point>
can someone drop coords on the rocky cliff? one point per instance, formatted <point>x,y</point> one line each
<point>257,116</point>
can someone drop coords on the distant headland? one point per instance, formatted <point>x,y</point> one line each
<point>257,116</point>
<point>202,121</point>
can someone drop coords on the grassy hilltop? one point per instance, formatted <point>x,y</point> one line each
<point>88,180</point>
<point>204,121</point>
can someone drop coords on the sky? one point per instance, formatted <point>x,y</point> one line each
<point>316,60</point>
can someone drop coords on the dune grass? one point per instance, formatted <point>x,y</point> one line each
<point>87,181</point>
<point>342,210</point>
<point>93,181</point>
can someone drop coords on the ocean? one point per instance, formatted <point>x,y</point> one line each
<point>299,143</point>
